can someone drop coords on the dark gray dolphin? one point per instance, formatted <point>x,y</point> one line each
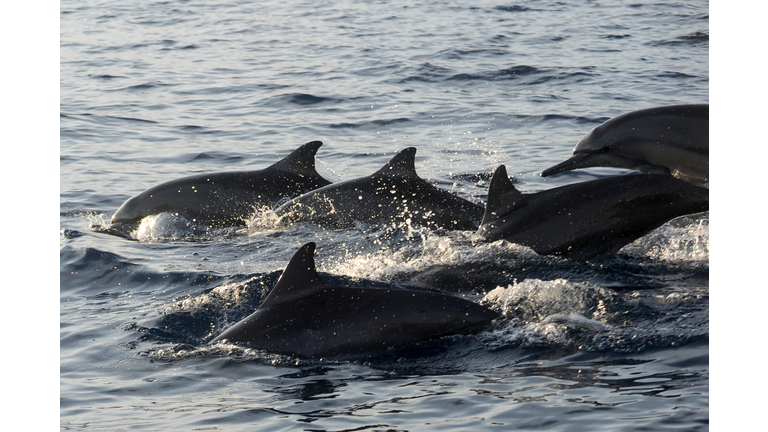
<point>395,193</point>
<point>670,139</point>
<point>227,198</point>
<point>306,317</point>
<point>588,220</point>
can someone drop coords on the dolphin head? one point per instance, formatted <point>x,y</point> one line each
<point>595,149</point>
<point>128,212</point>
<point>662,140</point>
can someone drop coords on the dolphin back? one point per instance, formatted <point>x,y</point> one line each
<point>589,220</point>
<point>684,126</point>
<point>305,317</point>
<point>393,194</point>
<point>227,198</point>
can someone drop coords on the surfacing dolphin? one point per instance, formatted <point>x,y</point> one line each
<point>227,198</point>
<point>395,193</point>
<point>588,220</point>
<point>304,316</point>
<point>669,139</point>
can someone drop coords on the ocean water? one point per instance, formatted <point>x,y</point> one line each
<point>154,91</point>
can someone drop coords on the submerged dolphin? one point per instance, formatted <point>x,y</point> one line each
<point>227,198</point>
<point>306,317</point>
<point>670,139</point>
<point>395,193</point>
<point>588,220</point>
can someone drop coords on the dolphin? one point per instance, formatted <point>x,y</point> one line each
<point>304,316</point>
<point>395,193</point>
<point>663,140</point>
<point>227,198</point>
<point>589,220</point>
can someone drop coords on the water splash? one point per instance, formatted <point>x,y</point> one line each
<point>163,226</point>
<point>584,316</point>
<point>420,249</point>
<point>536,300</point>
<point>682,239</point>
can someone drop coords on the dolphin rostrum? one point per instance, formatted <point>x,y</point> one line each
<point>669,139</point>
<point>227,198</point>
<point>395,193</point>
<point>588,220</point>
<point>304,316</point>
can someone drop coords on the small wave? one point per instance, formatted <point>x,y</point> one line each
<point>672,74</point>
<point>615,36</point>
<point>427,72</point>
<point>690,39</point>
<point>144,86</point>
<point>131,119</point>
<point>528,75</point>
<point>198,129</point>
<point>460,54</point>
<point>514,72</point>
<point>105,76</point>
<point>105,119</point>
<point>370,124</point>
<point>306,99</point>
<point>75,259</point>
<point>228,89</point>
<point>186,47</point>
<point>514,8</point>
<point>70,233</point>
<point>160,23</point>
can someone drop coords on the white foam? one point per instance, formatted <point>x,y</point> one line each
<point>536,300</point>
<point>429,250</point>
<point>683,239</point>
<point>228,296</point>
<point>163,226</point>
<point>263,219</point>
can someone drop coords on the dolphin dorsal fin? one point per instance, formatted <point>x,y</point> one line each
<point>301,160</point>
<point>503,197</point>
<point>298,278</point>
<point>401,165</point>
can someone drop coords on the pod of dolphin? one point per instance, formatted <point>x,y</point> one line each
<point>306,317</point>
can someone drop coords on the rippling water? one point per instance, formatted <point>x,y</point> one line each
<point>153,91</point>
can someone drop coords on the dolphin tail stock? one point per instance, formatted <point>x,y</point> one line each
<point>301,160</point>
<point>502,196</point>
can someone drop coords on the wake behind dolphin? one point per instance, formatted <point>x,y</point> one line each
<point>669,139</point>
<point>226,198</point>
<point>588,220</point>
<point>306,317</point>
<point>395,193</point>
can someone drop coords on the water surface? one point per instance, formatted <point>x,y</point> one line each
<point>153,91</point>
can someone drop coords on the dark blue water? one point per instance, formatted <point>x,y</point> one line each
<point>153,91</point>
